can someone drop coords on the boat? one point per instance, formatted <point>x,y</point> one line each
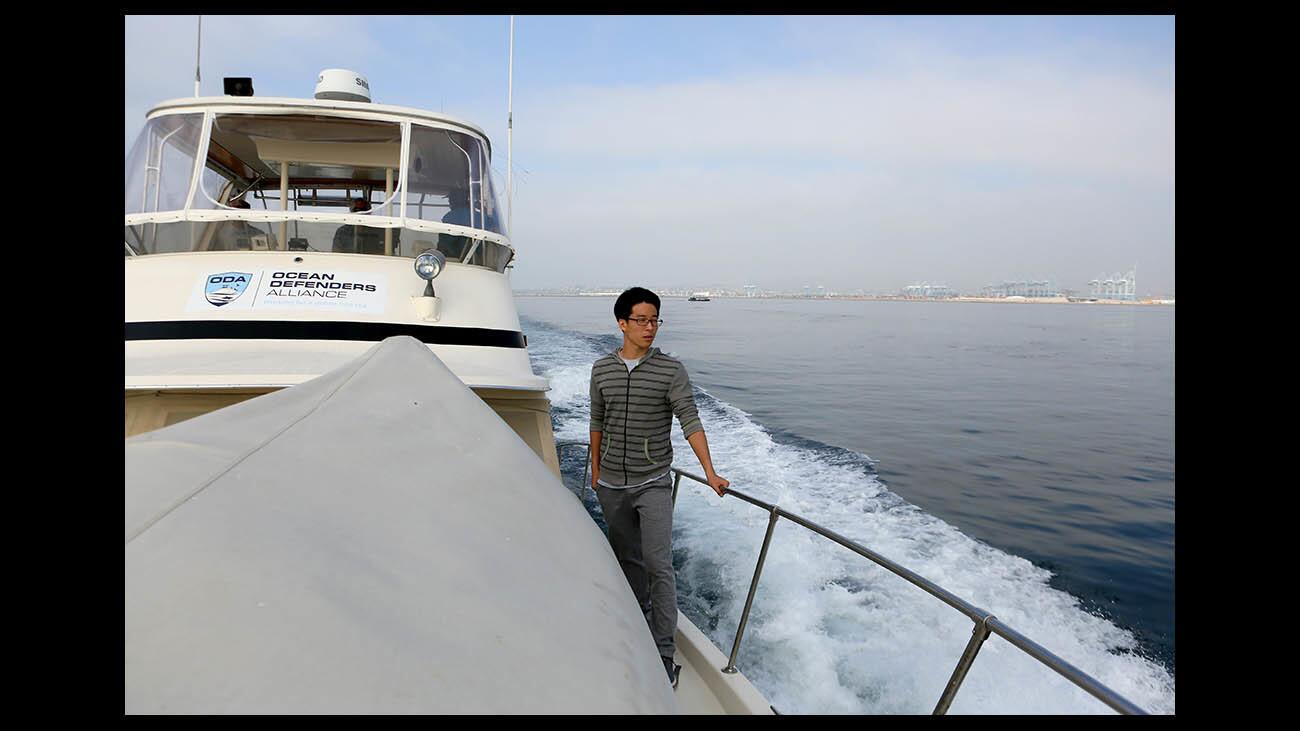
<point>342,489</point>
<point>698,297</point>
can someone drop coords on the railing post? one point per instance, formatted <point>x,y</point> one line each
<point>586,465</point>
<point>676,481</point>
<point>753,587</point>
<point>978,635</point>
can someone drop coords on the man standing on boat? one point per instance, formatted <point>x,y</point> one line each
<point>635,391</point>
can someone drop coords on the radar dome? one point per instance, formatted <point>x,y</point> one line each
<point>342,84</point>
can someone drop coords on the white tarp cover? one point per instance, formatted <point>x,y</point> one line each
<point>375,540</point>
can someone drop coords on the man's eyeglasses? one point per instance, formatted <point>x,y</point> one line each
<point>643,321</point>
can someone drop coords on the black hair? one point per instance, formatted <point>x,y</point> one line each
<point>631,298</point>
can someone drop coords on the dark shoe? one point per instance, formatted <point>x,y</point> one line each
<point>674,671</point>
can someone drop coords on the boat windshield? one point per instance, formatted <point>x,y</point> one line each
<point>160,165</point>
<point>311,182</point>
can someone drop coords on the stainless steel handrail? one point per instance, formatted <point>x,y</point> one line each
<point>985,623</point>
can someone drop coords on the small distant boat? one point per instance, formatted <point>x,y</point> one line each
<point>698,297</point>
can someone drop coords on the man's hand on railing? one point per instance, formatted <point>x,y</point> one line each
<point>700,445</point>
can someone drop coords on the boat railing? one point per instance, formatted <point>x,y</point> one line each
<point>985,623</point>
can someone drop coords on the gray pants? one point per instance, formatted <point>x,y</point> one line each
<point>640,521</point>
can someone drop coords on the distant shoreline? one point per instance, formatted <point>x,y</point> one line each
<point>986,300</point>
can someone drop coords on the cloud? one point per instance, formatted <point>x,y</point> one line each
<point>868,160</point>
<point>845,229</point>
<point>282,53</point>
<point>850,180</point>
<point>1107,126</point>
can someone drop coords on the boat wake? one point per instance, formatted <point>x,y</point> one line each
<point>831,632</point>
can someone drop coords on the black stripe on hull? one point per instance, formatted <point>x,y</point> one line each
<point>306,330</point>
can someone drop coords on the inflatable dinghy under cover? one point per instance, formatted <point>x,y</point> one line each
<point>375,540</point>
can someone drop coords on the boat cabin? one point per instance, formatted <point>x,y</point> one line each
<point>270,240</point>
<point>315,175</point>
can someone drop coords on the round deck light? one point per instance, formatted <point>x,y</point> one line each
<point>430,264</point>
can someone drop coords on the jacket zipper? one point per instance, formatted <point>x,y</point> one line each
<point>627,407</point>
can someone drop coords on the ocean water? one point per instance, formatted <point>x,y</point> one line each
<point>1020,456</point>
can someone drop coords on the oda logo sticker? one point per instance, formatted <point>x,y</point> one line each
<point>222,289</point>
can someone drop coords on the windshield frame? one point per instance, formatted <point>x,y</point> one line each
<point>398,200</point>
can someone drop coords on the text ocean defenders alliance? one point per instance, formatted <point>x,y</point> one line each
<point>312,284</point>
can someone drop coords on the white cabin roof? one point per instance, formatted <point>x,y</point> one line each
<point>358,110</point>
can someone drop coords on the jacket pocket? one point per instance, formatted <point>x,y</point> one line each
<point>645,446</point>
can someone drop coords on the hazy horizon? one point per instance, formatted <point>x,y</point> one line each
<point>861,152</point>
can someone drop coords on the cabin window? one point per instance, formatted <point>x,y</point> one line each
<point>318,236</point>
<point>330,162</point>
<point>160,166</point>
<point>312,182</point>
<point>446,180</point>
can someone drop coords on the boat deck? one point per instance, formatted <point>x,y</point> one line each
<point>702,687</point>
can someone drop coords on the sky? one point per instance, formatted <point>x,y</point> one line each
<point>854,153</point>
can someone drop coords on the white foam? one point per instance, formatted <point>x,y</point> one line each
<point>831,632</point>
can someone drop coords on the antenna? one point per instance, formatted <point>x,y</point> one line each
<point>198,48</point>
<point>510,129</point>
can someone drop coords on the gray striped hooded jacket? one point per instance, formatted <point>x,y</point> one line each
<point>634,411</point>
